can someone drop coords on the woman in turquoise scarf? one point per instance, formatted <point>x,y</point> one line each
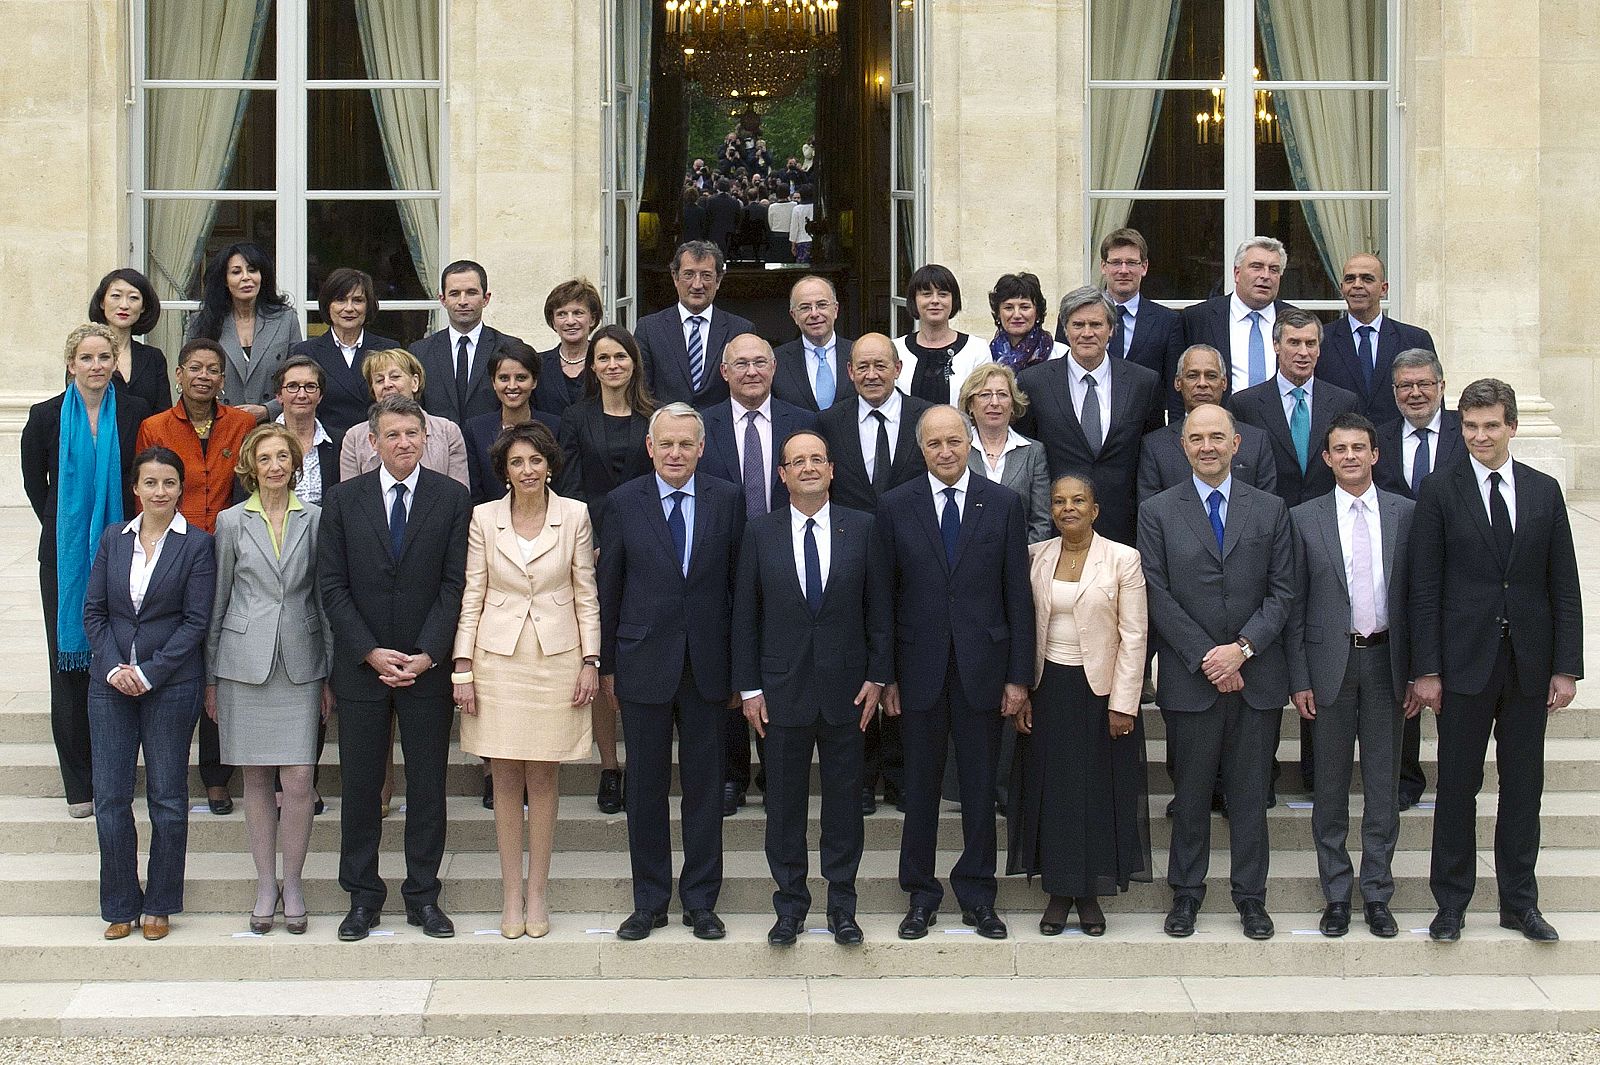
<point>76,451</point>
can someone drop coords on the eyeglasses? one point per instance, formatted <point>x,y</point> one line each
<point>1416,386</point>
<point>1123,264</point>
<point>308,387</point>
<point>991,396</point>
<point>808,308</point>
<point>705,276</point>
<point>800,462</point>
<point>745,365</point>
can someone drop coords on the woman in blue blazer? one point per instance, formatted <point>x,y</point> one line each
<point>146,613</point>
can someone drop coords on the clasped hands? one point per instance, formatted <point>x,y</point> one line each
<point>1221,667</point>
<point>396,668</point>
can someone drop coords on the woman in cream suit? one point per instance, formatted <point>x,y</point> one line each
<point>527,657</point>
<point>1080,818</point>
<point>268,653</point>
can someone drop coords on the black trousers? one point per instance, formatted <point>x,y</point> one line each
<point>213,774</point>
<point>364,740</point>
<point>69,704</point>
<point>839,753</point>
<point>1412,781</point>
<point>736,733</point>
<point>1465,723</point>
<point>884,755</point>
<point>647,730</point>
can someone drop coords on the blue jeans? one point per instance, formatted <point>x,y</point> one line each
<point>161,721</point>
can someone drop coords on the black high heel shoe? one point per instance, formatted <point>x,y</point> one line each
<point>1054,920</point>
<point>1091,918</point>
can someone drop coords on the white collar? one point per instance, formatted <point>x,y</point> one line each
<point>663,489</point>
<point>1101,373</point>
<point>798,518</point>
<point>960,486</point>
<point>1355,323</point>
<point>1435,424</point>
<point>361,338</point>
<point>179,524</point>
<point>1285,386</point>
<point>1241,310</point>
<point>1132,305</point>
<point>387,481</point>
<point>740,410</point>
<point>685,313</point>
<point>472,336</point>
<point>319,435</point>
<point>890,407</point>
<point>811,347</point>
<point>1345,501</point>
<point>1014,440</point>
<point>1204,490</point>
<point>1482,472</point>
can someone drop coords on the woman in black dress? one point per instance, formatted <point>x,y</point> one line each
<point>126,302</point>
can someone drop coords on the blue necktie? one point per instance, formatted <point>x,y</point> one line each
<point>950,526</point>
<point>1300,427</point>
<point>826,386</point>
<point>679,531</point>
<point>697,352</point>
<point>1364,357</point>
<point>1119,335</point>
<point>1258,351</point>
<point>1421,465</point>
<point>813,568</point>
<point>755,471</point>
<point>1214,505</point>
<point>397,522</point>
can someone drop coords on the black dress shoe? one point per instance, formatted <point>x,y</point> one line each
<point>1530,923</point>
<point>318,808</point>
<point>986,921</point>
<point>221,807</point>
<point>732,799</point>
<point>432,920</point>
<point>894,796</point>
<point>1335,920</point>
<point>640,924</point>
<point>1446,925</point>
<point>1257,925</point>
<point>609,797</point>
<point>488,793</point>
<point>845,931</point>
<point>916,921</point>
<point>1172,806</point>
<point>706,924</point>
<point>1180,919</point>
<point>1380,922</point>
<point>785,930</point>
<point>1408,801</point>
<point>358,922</point>
<point>869,802</point>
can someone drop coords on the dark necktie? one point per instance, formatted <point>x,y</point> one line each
<point>679,531</point>
<point>697,352</point>
<point>1214,506</point>
<point>813,568</point>
<point>1090,418</point>
<point>755,471</point>
<point>881,464</point>
<point>463,369</point>
<point>1364,357</point>
<point>1119,335</point>
<point>1499,520</point>
<point>397,522</point>
<point>950,526</point>
<point>1421,465</point>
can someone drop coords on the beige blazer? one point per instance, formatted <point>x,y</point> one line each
<point>1110,612</point>
<point>556,588</point>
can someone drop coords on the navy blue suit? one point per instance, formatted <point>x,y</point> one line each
<point>169,628</point>
<point>345,396</point>
<point>961,634</point>
<point>1390,472</point>
<point>666,356</point>
<point>439,368</point>
<point>792,383</point>
<point>1338,363</point>
<point>721,458</point>
<point>664,636</point>
<point>479,434</point>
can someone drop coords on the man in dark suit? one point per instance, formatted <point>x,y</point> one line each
<point>1092,413</point>
<point>455,360</point>
<point>811,654</point>
<point>682,345</point>
<point>666,566</point>
<point>348,300</point>
<point>1358,348</point>
<point>1497,630</point>
<point>1240,325</point>
<point>1218,566</point>
<point>723,215</point>
<point>743,434</point>
<point>1162,462</point>
<point>391,563</point>
<point>957,548</point>
<point>1350,664</point>
<point>814,368</point>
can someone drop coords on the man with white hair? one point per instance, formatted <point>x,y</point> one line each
<point>1239,325</point>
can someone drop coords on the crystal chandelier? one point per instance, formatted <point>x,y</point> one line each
<point>750,49</point>
<point>1208,124</point>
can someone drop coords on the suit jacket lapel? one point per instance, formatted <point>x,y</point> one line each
<point>794,372</point>
<point>1194,512</point>
<point>1467,486</point>
<point>977,489</point>
<point>1388,348</point>
<point>1389,523</point>
<point>656,518</point>
<point>346,378</point>
<point>906,446</point>
<point>1238,507</point>
<point>1059,395</point>
<point>1093,564</point>
<point>843,551</point>
<point>488,343</point>
<point>850,459</point>
<point>723,440</point>
<point>1328,526</point>
<point>255,527</point>
<point>1222,329</point>
<point>1319,429</point>
<point>1121,400</point>
<point>164,564</point>
<point>928,511</point>
<point>782,538</point>
<point>1277,421</point>
<point>424,501</point>
<point>505,537</point>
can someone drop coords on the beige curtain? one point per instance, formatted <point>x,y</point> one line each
<point>1333,137</point>
<point>400,39</point>
<point>1131,42</point>
<point>191,134</point>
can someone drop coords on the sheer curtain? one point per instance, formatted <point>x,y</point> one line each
<point>192,134</point>
<point>1131,42</point>
<point>400,40</point>
<point>1330,135</point>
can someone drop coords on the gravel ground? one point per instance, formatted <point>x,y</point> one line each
<point>673,1050</point>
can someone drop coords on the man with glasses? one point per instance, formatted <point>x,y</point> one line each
<point>682,344</point>
<point>1358,349</point>
<point>813,368</point>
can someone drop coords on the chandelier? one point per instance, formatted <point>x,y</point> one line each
<point>750,49</point>
<point>1208,124</point>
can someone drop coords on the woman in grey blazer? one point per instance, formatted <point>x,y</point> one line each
<point>242,309</point>
<point>991,400</point>
<point>267,657</point>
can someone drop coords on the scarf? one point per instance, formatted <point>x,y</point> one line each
<point>88,498</point>
<point>1036,347</point>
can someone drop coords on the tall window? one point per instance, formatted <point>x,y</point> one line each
<point>626,105</point>
<point>1212,120</point>
<point>312,127</point>
<point>908,169</point>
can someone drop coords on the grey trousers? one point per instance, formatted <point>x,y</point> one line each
<point>1365,710</point>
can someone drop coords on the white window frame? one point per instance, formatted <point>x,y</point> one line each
<point>914,88</point>
<point>619,106</point>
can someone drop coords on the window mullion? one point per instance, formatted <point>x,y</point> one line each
<point>1238,138</point>
<point>291,149</point>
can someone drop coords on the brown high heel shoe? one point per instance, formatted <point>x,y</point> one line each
<point>155,928</point>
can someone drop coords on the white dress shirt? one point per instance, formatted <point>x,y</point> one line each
<point>139,573</point>
<point>1355,337</point>
<point>310,487</point>
<point>997,469</point>
<point>1130,323</point>
<point>1508,487</point>
<point>472,336</point>
<point>1285,388</point>
<point>684,314</point>
<point>1102,387</point>
<point>1239,326</point>
<point>1344,508</point>
<point>939,497</point>
<point>868,426</point>
<point>824,535</point>
<point>764,435</point>
<point>387,481</point>
<point>351,352</point>
<point>1410,441</point>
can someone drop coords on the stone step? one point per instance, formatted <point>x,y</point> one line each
<point>65,884</point>
<point>41,825</point>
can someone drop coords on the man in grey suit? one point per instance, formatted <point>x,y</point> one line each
<point>1218,567</point>
<point>1162,463</point>
<point>1349,660</point>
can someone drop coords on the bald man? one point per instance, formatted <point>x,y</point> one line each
<point>1359,347</point>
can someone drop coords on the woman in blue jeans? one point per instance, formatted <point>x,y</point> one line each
<point>146,613</point>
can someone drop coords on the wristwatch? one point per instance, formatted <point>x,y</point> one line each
<point>1249,652</point>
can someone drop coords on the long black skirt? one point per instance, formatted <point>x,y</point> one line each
<point>1080,812</point>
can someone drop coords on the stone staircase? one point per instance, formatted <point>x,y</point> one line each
<point>58,977</point>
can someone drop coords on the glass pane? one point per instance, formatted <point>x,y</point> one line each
<point>1319,236</point>
<point>622,272</point>
<point>346,148</point>
<point>365,234</point>
<point>187,134</point>
<point>1175,133</point>
<point>625,28</point>
<point>1321,141</point>
<point>904,243</point>
<point>905,42</point>
<point>1295,40</point>
<point>1137,40</point>
<point>622,118</point>
<point>407,34</point>
<point>217,40</point>
<point>181,235</point>
<point>905,146</point>
<point>1185,237</point>
<point>407,327</point>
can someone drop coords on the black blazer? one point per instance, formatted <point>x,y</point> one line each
<point>983,606</point>
<point>151,381</point>
<point>842,430</point>
<point>1390,472</point>
<point>328,457</point>
<point>696,226</point>
<point>1459,590</point>
<point>723,214</point>
<point>345,396</point>
<point>1136,408</point>
<point>41,468</point>
<point>439,367</point>
<point>586,458</point>
<point>721,458</point>
<point>169,629</point>
<point>550,394</point>
<point>373,600</point>
<point>1262,406</point>
<point>1338,365</point>
<point>812,665</point>
<point>479,434</point>
<point>652,617</point>
<point>1207,323</point>
<point>1157,345</point>
<point>666,358</point>
<point>1163,464</point>
<point>792,384</point>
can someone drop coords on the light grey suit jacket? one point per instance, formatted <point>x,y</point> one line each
<point>250,380</point>
<point>1201,597</point>
<point>267,603</point>
<point>1027,474</point>
<point>1318,635</point>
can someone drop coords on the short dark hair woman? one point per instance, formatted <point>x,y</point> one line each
<point>127,303</point>
<point>934,358</point>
